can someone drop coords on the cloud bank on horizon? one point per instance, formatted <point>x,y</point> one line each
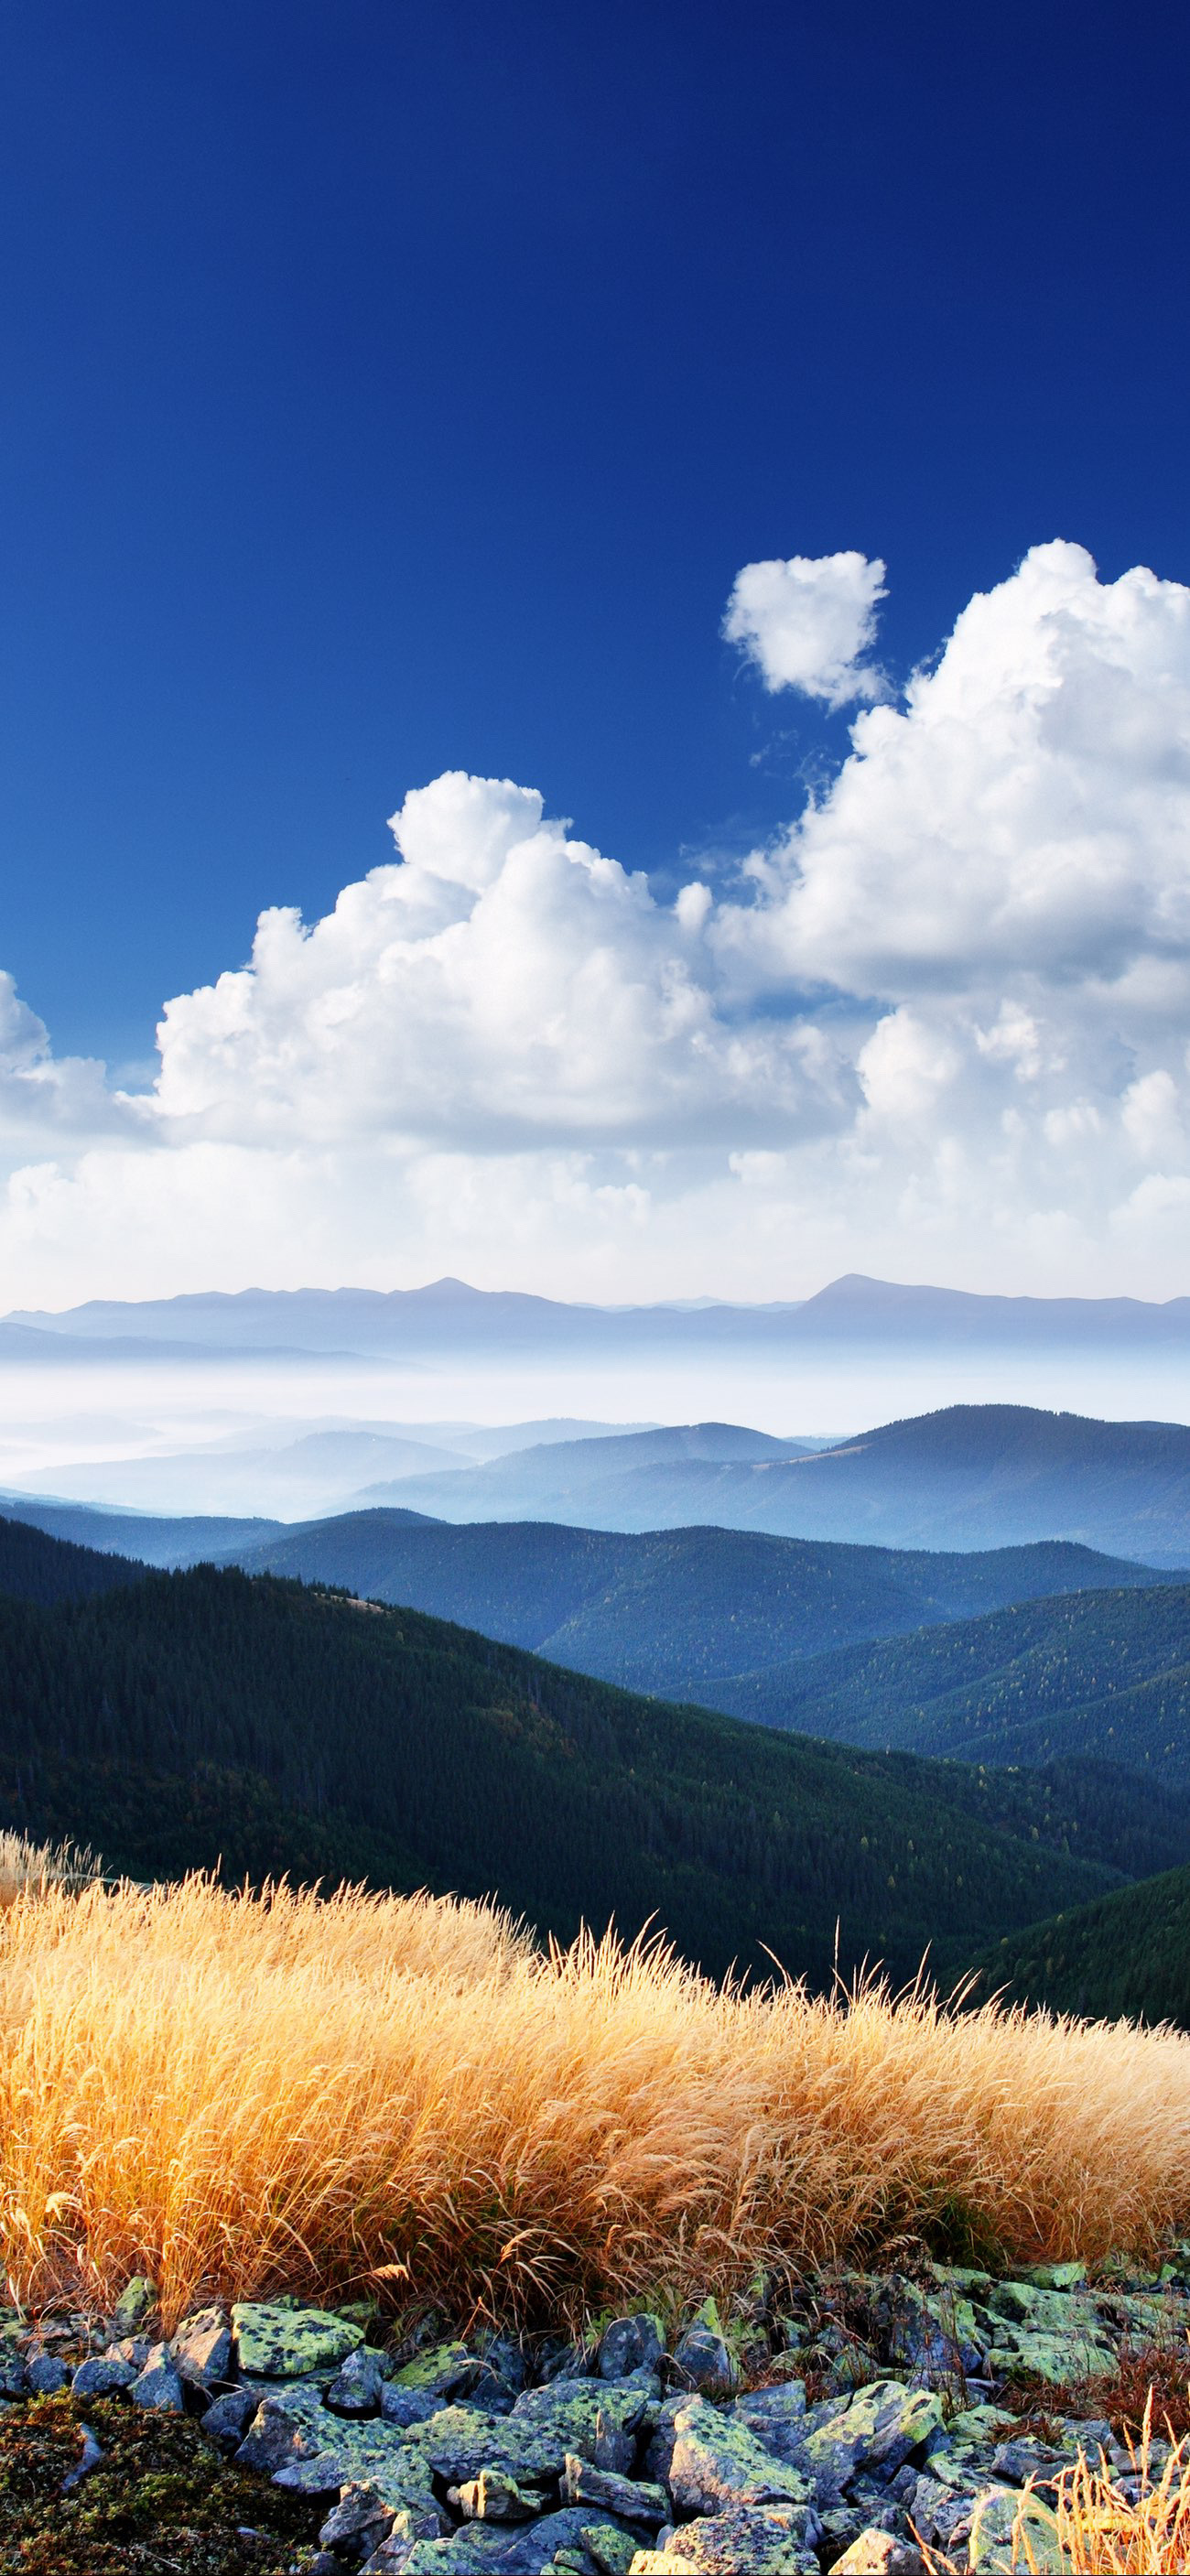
<point>937,1029</point>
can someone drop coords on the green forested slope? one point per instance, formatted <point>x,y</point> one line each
<point>1128,1953</point>
<point>1092,1673</point>
<point>203,1716</point>
<point>37,1568</point>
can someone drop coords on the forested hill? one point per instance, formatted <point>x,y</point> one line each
<point>1124,1954</point>
<point>1105,1674</point>
<point>199,1717</point>
<point>37,1568</point>
<point>672,1610</point>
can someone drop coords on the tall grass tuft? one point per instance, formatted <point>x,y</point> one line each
<point>28,1868</point>
<point>239,2093</point>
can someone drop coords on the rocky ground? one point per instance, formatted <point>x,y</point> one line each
<point>844,2425</point>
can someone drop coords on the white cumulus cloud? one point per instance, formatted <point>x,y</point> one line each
<point>807,623</point>
<point>939,1026</point>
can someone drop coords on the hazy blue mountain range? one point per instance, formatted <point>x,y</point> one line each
<point>969,1476</point>
<point>675,1611</point>
<point>148,1538</point>
<point>323,1470</point>
<point>450,1317</point>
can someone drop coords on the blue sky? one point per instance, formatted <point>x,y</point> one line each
<point>399,387</point>
<point>399,394</point>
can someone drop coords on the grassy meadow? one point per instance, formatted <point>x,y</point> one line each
<point>243,2093</point>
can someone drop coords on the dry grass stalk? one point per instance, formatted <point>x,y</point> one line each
<point>238,2093</point>
<point>1095,2528</point>
<point>28,1868</point>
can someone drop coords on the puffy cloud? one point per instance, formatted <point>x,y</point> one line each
<point>806,624</point>
<point>940,1025</point>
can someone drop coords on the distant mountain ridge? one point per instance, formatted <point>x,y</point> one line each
<point>448,1315</point>
<point>966,1476</point>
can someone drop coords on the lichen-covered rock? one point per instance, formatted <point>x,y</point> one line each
<point>877,2430</point>
<point>495,2497</point>
<point>136,2302</point>
<point>610,2550</point>
<point>633,2499</point>
<point>295,2440</point>
<point>593,2419</point>
<point>741,2541</point>
<point>45,2375</point>
<point>717,2463</point>
<point>273,2341</point>
<point>13,2376</point>
<point>1051,2358</point>
<point>406,2406</point>
<point>444,2370</point>
<point>628,2344</point>
<point>1010,2532</point>
<point>158,2385</point>
<point>481,2549</point>
<point>201,2349</point>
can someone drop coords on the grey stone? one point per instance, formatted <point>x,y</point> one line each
<point>158,2385</point>
<point>360,2521</point>
<point>45,2375</point>
<point>405,2406</point>
<point>278,2342</point>
<point>227,2418</point>
<point>631,2498</point>
<point>357,2386</point>
<point>92,2454</point>
<point>630,2343</point>
<point>879,2553</point>
<point>201,2349</point>
<point>99,2376</point>
<point>701,2360</point>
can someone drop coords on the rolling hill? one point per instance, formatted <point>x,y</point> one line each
<point>1127,1954</point>
<point>1103,1674</point>
<point>206,1717</point>
<point>673,1611</point>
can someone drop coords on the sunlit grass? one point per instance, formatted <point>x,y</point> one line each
<point>240,2093</point>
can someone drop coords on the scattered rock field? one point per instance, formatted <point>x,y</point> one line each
<point>857,2424</point>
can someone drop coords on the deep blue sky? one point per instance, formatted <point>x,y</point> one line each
<point>392,385</point>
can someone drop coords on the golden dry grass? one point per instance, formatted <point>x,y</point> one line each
<point>241,2093</point>
<point>28,1868</point>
